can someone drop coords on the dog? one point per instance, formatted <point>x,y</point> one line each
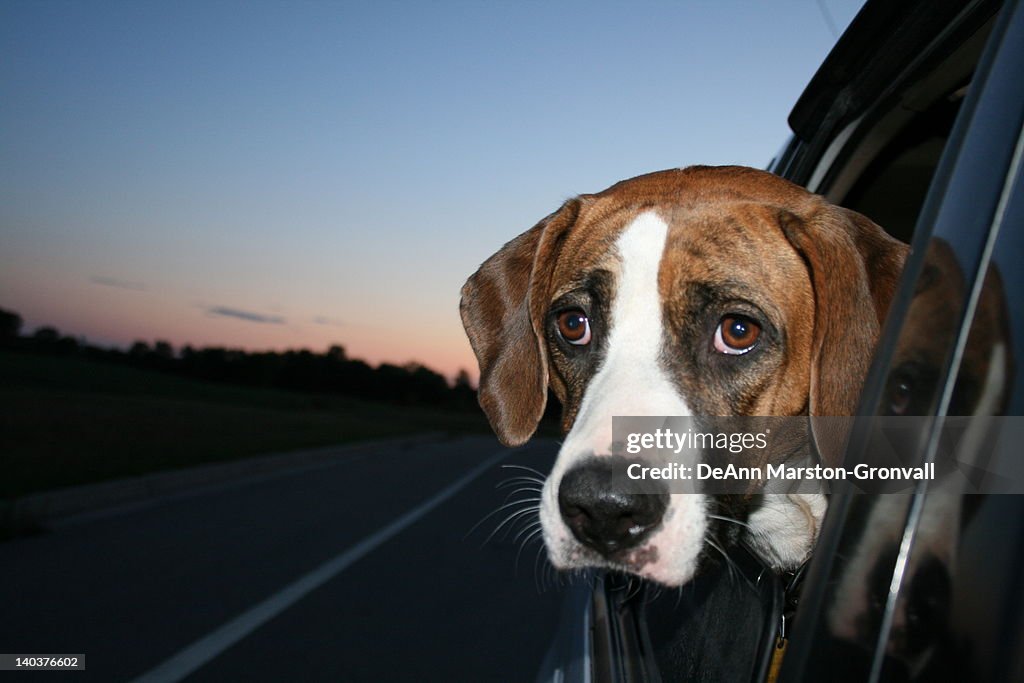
<point>720,291</point>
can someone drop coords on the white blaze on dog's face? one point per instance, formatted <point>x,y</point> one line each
<point>704,291</point>
<point>631,381</point>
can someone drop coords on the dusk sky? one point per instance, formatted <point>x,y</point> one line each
<point>283,175</point>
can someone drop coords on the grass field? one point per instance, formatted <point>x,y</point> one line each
<point>65,422</point>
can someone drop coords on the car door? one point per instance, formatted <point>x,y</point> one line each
<point>927,584</point>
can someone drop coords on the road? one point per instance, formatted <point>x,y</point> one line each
<point>360,570</point>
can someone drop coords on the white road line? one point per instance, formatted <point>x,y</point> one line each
<point>206,648</point>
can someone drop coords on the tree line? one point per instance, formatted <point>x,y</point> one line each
<point>294,370</point>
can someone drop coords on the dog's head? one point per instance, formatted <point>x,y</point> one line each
<point>701,291</point>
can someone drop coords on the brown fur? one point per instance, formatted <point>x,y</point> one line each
<point>823,275</point>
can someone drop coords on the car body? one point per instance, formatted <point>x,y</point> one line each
<point>915,120</point>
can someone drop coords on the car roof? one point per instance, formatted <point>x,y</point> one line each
<point>880,42</point>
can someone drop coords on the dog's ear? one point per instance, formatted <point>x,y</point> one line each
<point>854,268</point>
<point>503,308</point>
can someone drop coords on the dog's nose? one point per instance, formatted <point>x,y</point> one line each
<point>599,516</point>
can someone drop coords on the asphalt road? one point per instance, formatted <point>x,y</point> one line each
<point>361,570</point>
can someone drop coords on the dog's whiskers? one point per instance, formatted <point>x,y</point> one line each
<point>516,480</point>
<point>522,524</point>
<point>538,569</point>
<point>728,560</point>
<point>505,506</point>
<point>633,588</point>
<point>534,524</point>
<point>535,499</point>
<point>653,595</point>
<point>734,569</point>
<point>528,499</point>
<point>514,515</point>
<point>533,535</point>
<point>524,467</point>
<point>733,521</point>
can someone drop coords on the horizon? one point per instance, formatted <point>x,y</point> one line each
<point>181,352</point>
<point>272,176</point>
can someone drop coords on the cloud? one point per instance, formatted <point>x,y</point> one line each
<point>324,320</point>
<point>119,284</point>
<point>248,316</point>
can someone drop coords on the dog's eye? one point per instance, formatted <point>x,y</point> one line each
<point>900,396</point>
<point>574,327</point>
<point>902,389</point>
<point>736,334</point>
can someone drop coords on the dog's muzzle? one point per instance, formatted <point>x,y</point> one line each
<point>601,517</point>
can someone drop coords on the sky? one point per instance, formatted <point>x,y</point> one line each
<point>272,175</point>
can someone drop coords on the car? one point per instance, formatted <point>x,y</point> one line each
<point>915,119</point>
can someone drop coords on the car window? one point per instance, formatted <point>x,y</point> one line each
<point>892,189</point>
<point>942,621</point>
<point>884,161</point>
<point>1005,271</point>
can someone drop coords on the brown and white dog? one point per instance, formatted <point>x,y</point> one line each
<point>696,291</point>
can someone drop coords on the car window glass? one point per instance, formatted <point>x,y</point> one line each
<point>937,627</point>
<point>1005,267</point>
